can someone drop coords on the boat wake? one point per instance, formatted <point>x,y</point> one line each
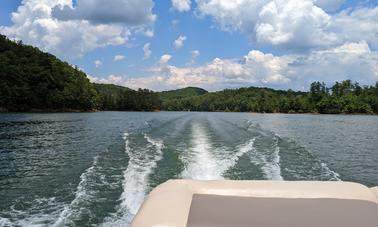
<point>83,195</point>
<point>266,159</point>
<point>201,164</point>
<point>328,173</point>
<point>43,211</point>
<point>271,162</point>
<point>204,162</point>
<point>135,184</point>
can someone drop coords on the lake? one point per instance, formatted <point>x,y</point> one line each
<point>96,168</point>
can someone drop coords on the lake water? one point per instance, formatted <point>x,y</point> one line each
<point>96,168</point>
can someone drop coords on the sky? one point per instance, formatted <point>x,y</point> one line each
<point>213,44</point>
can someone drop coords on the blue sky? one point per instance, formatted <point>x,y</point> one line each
<point>200,36</point>
<point>238,43</point>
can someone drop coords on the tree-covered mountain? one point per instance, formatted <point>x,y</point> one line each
<point>342,97</point>
<point>31,79</point>
<point>113,97</point>
<point>182,93</point>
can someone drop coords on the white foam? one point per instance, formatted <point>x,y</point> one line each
<point>136,175</point>
<point>228,158</point>
<point>135,183</point>
<point>270,162</point>
<point>330,173</point>
<point>42,211</point>
<point>201,164</point>
<point>246,147</point>
<point>81,194</point>
<point>274,169</point>
<point>5,222</point>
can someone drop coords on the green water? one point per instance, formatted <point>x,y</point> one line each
<point>85,169</point>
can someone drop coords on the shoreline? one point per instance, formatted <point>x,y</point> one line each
<point>41,111</point>
<point>3,110</point>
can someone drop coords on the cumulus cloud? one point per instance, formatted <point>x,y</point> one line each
<point>34,23</point>
<point>165,59</point>
<point>179,42</point>
<point>119,58</point>
<point>355,61</point>
<point>147,51</point>
<point>149,33</point>
<point>181,5</point>
<point>293,24</point>
<point>98,63</point>
<point>130,12</point>
<point>356,25</point>
<point>111,79</point>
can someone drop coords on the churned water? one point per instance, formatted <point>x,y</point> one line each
<point>85,169</point>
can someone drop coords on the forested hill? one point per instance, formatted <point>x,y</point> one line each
<point>188,92</point>
<point>343,97</point>
<point>113,97</point>
<point>33,80</point>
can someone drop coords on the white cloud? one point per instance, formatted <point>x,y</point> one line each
<point>356,25</point>
<point>34,24</point>
<point>111,79</point>
<point>149,33</point>
<point>119,58</point>
<point>232,15</point>
<point>165,59</point>
<point>147,51</point>
<point>179,42</point>
<point>294,24</point>
<point>130,12</point>
<point>355,61</point>
<point>194,55</point>
<point>181,5</point>
<point>98,63</point>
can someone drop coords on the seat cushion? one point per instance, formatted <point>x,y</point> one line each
<point>215,210</point>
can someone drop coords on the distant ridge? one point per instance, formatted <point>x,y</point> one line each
<point>182,93</point>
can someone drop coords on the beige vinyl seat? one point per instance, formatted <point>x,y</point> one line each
<point>259,203</point>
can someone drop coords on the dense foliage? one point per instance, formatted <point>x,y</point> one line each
<point>31,79</point>
<point>344,97</point>
<point>113,97</point>
<point>182,93</point>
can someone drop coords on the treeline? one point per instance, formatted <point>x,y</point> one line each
<point>113,97</point>
<point>33,80</point>
<point>342,97</point>
<point>182,93</point>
